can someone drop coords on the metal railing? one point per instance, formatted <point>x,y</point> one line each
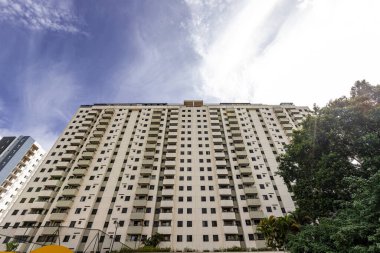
<point>83,240</point>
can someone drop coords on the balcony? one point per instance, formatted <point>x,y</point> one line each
<point>50,230</point>
<point>167,192</point>
<point>248,180</point>
<point>70,192</point>
<point>144,180</point>
<point>87,122</point>
<point>46,193</point>
<point>253,202</point>
<point>133,230</point>
<point>67,157</point>
<point>167,203</point>
<point>104,122</point>
<point>223,181</point>
<point>57,173</point>
<point>80,136</point>
<point>165,230</point>
<point>150,147</point>
<point>217,141</point>
<point>84,163</point>
<point>237,139</point>
<point>220,155</point>
<point>246,171</point>
<point>64,203</point>
<point>98,133</point>
<point>220,163</point>
<point>76,142</point>
<point>142,191</point>
<point>140,202</point>
<point>250,190</point>
<point>218,148</point>
<point>58,216</point>
<point>95,140</point>
<point>166,216</point>
<point>226,191</point>
<point>62,165</point>
<point>33,217</point>
<point>228,216</point>
<point>230,229</point>
<point>52,183</point>
<point>40,205</point>
<point>101,127</point>
<point>91,147</point>
<point>171,148</point>
<point>93,113</point>
<point>147,162</point>
<point>243,162</point>
<point>239,146</point>
<point>79,172</point>
<point>74,181</point>
<point>145,172</point>
<point>137,216</point>
<point>287,126</point>
<point>235,133</point>
<point>256,214</point>
<point>84,128</point>
<point>168,181</point>
<point>88,155</point>
<point>226,203</point>
<point>149,154</point>
<point>170,163</point>
<point>72,149</point>
<point>284,120</point>
<point>223,172</point>
<point>169,172</point>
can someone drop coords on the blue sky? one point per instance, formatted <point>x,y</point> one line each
<point>57,55</point>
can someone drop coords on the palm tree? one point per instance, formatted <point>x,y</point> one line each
<point>267,227</point>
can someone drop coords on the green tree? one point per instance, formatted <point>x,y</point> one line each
<point>154,241</point>
<point>11,246</point>
<point>355,228</point>
<point>342,140</point>
<point>276,230</point>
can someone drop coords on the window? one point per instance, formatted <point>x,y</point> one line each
<point>66,238</point>
<point>215,238</point>
<point>189,238</point>
<point>205,238</point>
<point>179,238</point>
<point>204,223</point>
<point>189,224</point>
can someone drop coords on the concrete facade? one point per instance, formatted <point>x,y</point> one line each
<point>203,175</point>
<point>19,159</point>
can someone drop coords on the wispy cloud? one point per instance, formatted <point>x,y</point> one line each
<point>273,51</point>
<point>48,96</point>
<point>40,15</point>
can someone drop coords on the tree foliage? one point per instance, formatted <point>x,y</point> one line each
<point>154,241</point>
<point>355,228</point>
<point>342,140</point>
<point>277,229</point>
<point>333,168</point>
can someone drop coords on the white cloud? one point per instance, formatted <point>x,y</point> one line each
<point>40,15</point>
<point>313,53</point>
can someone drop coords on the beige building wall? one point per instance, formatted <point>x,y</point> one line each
<point>203,175</point>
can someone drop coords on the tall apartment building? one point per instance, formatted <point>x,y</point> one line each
<point>202,175</point>
<point>19,159</point>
